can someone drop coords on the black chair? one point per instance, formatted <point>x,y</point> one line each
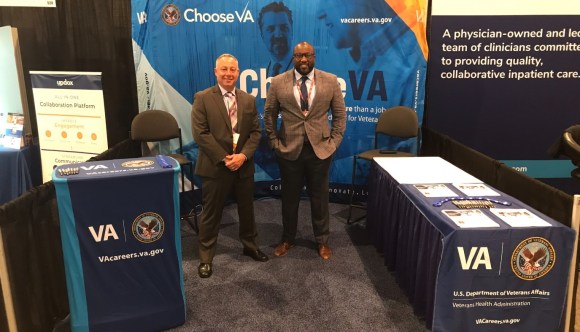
<point>569,145</point>
<point>398,122</point>
<point>158,126</point>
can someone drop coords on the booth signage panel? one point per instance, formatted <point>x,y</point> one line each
<point>121,244</point>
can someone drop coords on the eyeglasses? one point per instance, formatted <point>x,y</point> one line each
<point>299,56</point>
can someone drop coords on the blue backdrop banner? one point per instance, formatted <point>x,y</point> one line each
<point>377,49</point>
<point>503,79</point>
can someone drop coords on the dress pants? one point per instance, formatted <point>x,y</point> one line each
<point>215,191</point>
<point>293,173</point>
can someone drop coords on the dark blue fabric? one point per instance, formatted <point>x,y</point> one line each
<point>14,173</point>
<point>411,246</point>
<point>422,245</point>
<point>131,283</point>
<point>304,94</point>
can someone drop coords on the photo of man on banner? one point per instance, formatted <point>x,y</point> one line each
<point>376,56</point>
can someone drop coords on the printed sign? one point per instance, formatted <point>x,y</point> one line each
<point>70,114</point>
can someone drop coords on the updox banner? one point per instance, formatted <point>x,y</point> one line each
<point>377,49</point>
<point>70,113</point>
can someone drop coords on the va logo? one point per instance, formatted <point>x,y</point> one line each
<point>103,233</point>
<point>142,17</point>
<point>94,167</point>
<point>476,257</point>
<point>148,227</point>
<point>376,88</point>
<point>533,258</point>
<point>245,15</point>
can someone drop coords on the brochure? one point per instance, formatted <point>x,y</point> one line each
<point>435,190</point>
<point>475,189</point>
<point>520,218</point>
<point>470,218</point>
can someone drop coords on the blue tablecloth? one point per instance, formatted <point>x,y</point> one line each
<point>121,243</point>
<point>463,279</point>
<point>14,173</point>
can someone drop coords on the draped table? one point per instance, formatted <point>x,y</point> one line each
<point>14,173</point>
<point>500,278</point>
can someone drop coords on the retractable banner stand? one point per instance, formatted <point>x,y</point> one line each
<point>70,116</point>
<point>504,78</point>
<point>14,119</point>
<point>376,48</point>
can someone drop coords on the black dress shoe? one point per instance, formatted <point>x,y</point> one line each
<point>256,255</point>
<point>204,270</point>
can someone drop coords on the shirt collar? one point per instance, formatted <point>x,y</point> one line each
<point>298,76</point>
<point>224,91</point>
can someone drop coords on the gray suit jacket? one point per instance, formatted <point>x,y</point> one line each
<point>287,141</point>
<point>212,130</point>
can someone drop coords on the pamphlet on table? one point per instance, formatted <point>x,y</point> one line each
<point>470,218</point>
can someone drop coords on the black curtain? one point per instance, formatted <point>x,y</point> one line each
<point>31,235</point>
<point>544,198</point>
<point>81,35</point>
<point>32,247</point>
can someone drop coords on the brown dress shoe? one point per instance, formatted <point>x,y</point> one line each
<point>324,251</point>
<point>282,248</point>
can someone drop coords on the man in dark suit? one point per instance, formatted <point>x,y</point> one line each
<point>305,142</point>
<point>226,128</point>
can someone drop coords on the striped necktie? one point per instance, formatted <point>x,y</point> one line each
<point>233,110</point>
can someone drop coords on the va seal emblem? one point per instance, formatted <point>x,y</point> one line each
<point>533,258</point>
<point>170,14</point>
<point>148,227</point>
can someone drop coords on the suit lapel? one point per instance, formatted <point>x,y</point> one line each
<point>289,85</point>
<point>241,103</point>
<point>218,99</point>
<point>320,88</point>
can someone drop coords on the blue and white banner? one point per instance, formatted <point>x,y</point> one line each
<point>70,115</point>
<point>504,78</point>
<point>377,49</point>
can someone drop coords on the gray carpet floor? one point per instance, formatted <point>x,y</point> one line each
<point>353,291</point>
